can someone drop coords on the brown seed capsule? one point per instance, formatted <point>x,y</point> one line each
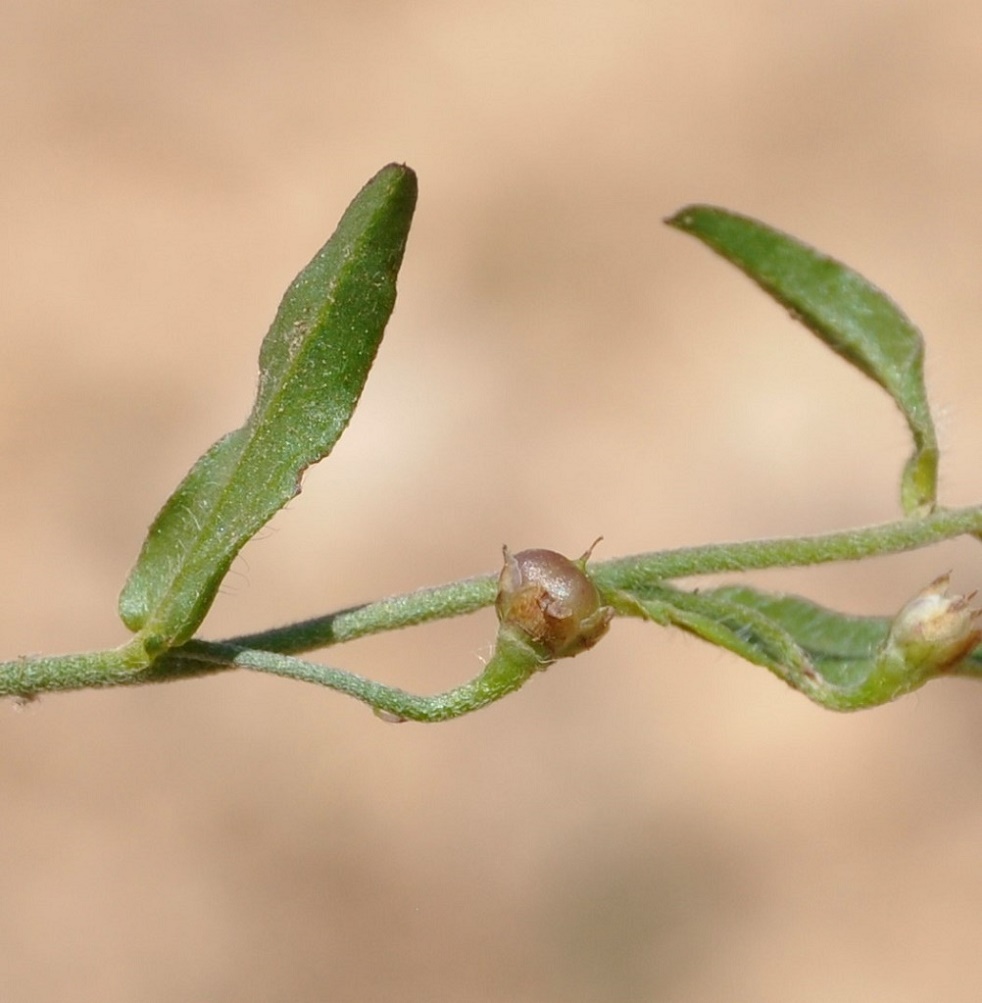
<point>550,599</point>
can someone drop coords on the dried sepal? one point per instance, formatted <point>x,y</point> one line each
<point>935,630</point>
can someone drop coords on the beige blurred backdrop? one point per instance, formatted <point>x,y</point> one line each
<point>654,820</point>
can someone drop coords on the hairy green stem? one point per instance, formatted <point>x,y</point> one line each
<point>467,596</point>
<point>265,651</point>
<point>510,667</point>
<point>438,602</point>
<point>848,545</point>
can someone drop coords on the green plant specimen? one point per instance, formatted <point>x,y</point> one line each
<point>313,366</point>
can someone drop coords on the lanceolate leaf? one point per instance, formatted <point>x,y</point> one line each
<point>313,365</point>
<point>847,312</point>
<point>840,661</point>
<point>866,661</point>
<point>739,627</point>
<point>842,648</point>
<point>833,658</point>
<point>722,622</point>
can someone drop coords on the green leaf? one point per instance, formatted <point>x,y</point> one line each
<point>738,627</point>
<point>859,657</point>
<point>313,365</point>
<point>847,312</point>
<point>839,661</point>
<point>842,648</point>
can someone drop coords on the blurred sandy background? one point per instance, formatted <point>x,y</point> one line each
<point>653,821</point>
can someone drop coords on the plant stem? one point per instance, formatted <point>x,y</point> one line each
<point>471,594</point>
<point>264,651</point>
<point>438,602</point>
<point>793,552</point>
<point>510,667</point>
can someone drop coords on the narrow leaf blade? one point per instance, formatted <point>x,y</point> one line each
<point>313,366</point>
<point>849,313</point>
<point>740,628</point>
<point>841,647</point>
<point>854,662</point>
<point>832,658</point>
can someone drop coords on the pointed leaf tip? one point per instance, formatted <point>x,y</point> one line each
<point>851,315</point>
<point>313,366</point>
